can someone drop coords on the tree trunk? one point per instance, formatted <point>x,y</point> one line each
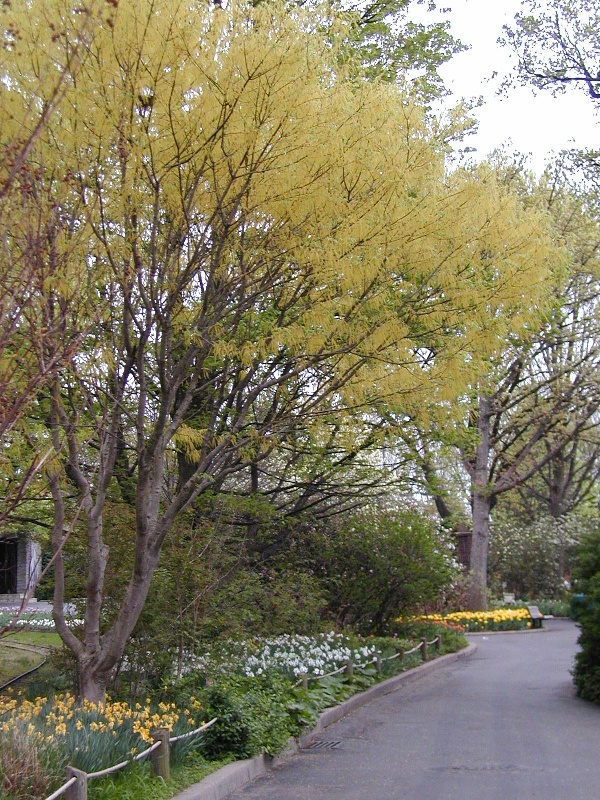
<point>477,593</point>
<point>92,684</point>
<point>481,507</point>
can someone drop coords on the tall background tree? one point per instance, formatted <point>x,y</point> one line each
<point>529,424</point>
<point>35,342</point>
<point>557,45</point>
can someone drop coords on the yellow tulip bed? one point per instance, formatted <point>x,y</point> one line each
<point>500,619</point>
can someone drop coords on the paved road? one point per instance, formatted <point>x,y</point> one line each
<point>502,725</point>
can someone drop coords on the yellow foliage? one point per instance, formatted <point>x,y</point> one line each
<point>221,169</point>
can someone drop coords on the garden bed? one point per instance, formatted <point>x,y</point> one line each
<point>262,691</point>
<point>499,619</point>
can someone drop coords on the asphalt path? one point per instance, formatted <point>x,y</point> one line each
<point>504,724</point>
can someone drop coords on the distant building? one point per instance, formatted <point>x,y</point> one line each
<point>19,565</point>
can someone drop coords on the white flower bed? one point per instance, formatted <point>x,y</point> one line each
<point>37,620</point>
<point>290,655</point>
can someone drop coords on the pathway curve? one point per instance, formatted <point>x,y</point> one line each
<point>504,724</point>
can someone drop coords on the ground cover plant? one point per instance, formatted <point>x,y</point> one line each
<point>138,783</point>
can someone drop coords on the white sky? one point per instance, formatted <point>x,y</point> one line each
<point>535,123</point>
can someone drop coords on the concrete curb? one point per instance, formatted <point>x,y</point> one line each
<point>233,776</point>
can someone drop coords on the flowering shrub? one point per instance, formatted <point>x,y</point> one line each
<point>530,559</point>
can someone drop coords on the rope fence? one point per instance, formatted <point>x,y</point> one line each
<point>62,789</point>
<point>75,787</point>
<point>349,666</point>
<point>109,770</point>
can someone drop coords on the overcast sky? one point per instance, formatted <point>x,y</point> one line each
<point>535,123</point>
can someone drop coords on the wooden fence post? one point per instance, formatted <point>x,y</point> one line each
<point>78,791</point>
<point>424,653</point>
<point>349,668</point>
<point>438,644</point>
<point>304,678</point>
<point>160,757</point>
<point>378,664</point>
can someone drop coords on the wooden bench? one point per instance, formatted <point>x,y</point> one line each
<point>536,616</point>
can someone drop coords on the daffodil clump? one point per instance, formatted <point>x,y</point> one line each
<point>290,655</point>
<point>500,619</point>
<point>88,736</point>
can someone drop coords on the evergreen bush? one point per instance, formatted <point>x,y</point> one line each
<point>587,586</point>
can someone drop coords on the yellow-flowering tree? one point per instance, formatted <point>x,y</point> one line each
<point>261,239</point>
<point>33,345</point>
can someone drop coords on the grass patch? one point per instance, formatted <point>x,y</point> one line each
<point>15,658</point>
<point>34,638</point>
<point>138,783</point>
<point>15,661</point>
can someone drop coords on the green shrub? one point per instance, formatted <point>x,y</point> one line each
<point>453,639</point>
<point>377,566</point>
<point>253,716</point>
<point>587,585</point>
